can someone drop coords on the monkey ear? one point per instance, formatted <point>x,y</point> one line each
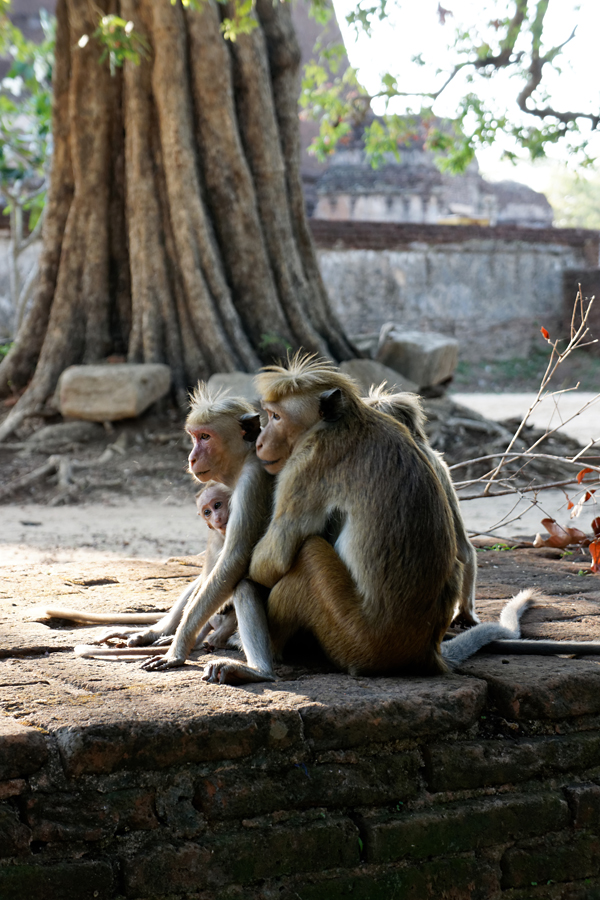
<point>331,405</point>
<point>250,423</point>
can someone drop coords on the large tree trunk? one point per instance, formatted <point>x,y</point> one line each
<point>175,229</point>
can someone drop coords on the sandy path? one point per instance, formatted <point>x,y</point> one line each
<point>551,412</point>
<point>144,529</point>
<point>149,528</point>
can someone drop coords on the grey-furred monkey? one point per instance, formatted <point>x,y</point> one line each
<point>406,408</point>
<point>223,430</point>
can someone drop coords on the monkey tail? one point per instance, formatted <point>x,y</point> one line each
<point>460,648</point>
<point>41,613</point>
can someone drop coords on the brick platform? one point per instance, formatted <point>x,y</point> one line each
<point>119,783</point>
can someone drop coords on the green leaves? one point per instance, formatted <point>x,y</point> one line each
<point>25,115</point>
<point>119,41</point>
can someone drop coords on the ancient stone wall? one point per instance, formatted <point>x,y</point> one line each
<point>589,281</point>
<point>479,787</point>
<point>492,288</point>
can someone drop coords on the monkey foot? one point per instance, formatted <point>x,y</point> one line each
<point>464,619</point>
<point>143,638</point>
<point>164,641</point>
<point>114,634</point>
<point>224,671</point>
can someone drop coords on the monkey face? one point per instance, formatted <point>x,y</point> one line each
<point>217,448</point>
<point>288,421</point>
<point>213,506</point>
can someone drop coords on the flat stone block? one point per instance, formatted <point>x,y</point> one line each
<point>369,373</point>
<point>22,750</point>
<point>534,687</point>
<point>242,857</point>
<point>427,358</point>
<point>474,764</point>
<point>237,384</point>
<point>156,742</point>
<point>59,881</point>
<point>584,800</point>
<point>554,858</point>
<point>375,710</point>
<point>461,827</point>
<point>237,792</point>
<point>111,392</point>
<point>457,878</point>
<point>89,816</point>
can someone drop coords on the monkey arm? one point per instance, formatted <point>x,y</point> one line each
<point>249,511</point>
<point>275,553</point>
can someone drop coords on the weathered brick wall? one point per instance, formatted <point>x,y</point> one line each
<point>491,288</point>
<point>479,786</point>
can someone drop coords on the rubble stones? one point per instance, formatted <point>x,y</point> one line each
<point>426,358</point>
<point>369,373</point>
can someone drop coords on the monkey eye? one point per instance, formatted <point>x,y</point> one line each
<point>207,512</point>
<point>204,436</point>
<point>276,416</point>
<point>218,505</point>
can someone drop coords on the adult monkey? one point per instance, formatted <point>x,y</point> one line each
<point>223,430</point>
<point>383,597</point>
<point>406,408</point>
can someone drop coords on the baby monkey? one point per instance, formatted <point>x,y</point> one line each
<point>213,505</point>
<point>212,502</point>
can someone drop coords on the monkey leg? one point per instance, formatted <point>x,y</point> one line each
<point>252,625</point>
<point>319,593</point>
<point>465,614</point>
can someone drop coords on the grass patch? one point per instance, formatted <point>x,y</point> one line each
<point>525,373</point>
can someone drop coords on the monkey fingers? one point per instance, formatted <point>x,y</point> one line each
<point>119,634</point>
<point>225,671</point>
<point>162,663</point>
<point>143,638</point>
<point>163,641</point>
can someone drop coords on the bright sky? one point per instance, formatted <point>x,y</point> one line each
<point>413,27</point>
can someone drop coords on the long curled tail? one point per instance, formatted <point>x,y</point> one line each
<point>461,647</point>
<point>86,617</point>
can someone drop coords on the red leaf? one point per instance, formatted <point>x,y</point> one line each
<point>589,494</point>
<point>595,551</point>
<point>570,504</point>
<point>581,475</point>
<point>560,536</point>
<point>596,526</point>
<point>544,332</point>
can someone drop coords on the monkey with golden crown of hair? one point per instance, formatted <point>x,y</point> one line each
<point>380,599</point>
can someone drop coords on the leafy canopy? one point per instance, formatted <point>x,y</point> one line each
<point>509,37</point>
<point>25,115</point>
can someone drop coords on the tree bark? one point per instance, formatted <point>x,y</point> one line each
<point>175,228</point>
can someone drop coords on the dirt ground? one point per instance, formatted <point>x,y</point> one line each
<point>129,495</point>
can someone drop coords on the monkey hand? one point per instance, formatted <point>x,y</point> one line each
<point>120,634</point>
<point>143,638</point>
<point>164,640</point>
<point>226,671</point>
<point>262,568</point>
<point>162,663</point>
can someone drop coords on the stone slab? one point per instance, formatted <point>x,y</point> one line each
<point>111,392</point>
<point>369,373</point>
<point>427,358</point>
